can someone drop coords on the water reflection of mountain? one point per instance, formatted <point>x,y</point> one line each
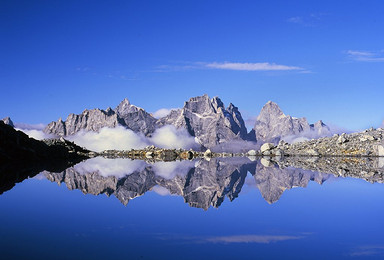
<point>202,183</point>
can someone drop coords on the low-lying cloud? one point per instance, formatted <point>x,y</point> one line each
<point>162,112</point>
<point>313,134</point>
<point>120,138</point>
<point>36,134</point>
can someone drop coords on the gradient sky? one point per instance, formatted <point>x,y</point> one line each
<point>318,59</point>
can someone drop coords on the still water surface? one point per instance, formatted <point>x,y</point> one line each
<point>217,209</point>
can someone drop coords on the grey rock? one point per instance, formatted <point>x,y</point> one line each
<point>266,147</point>
<point>342,139</point>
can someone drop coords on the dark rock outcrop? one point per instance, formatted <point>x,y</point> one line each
<point>17,146</point>
<point>8,121</point>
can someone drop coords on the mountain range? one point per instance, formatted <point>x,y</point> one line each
<point>205,118</point>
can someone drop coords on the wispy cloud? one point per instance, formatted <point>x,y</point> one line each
<point>236,66</point>
<point>367,56</point>
<point>259,66</point>
<point>258,239</point>
<point>373,250</point>
<point>307,20</point>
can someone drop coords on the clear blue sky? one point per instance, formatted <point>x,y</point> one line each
<point>318,59</point>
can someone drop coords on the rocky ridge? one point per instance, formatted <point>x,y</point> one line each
<point>125,114</point>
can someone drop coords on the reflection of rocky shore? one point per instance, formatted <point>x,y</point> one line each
<point>368,168</point>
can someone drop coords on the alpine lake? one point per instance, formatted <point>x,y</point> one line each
<point>213,208</point>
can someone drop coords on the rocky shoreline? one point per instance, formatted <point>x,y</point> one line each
<point>368,143</point>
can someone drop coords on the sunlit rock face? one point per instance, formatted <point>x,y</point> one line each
<point>125,114</point>
<point>135,118</point>
<point>208,120</point>
<point>272,125</point>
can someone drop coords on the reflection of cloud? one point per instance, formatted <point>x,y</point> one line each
<point>161,191</point>
<point>110,167</point>
<point>368,251</point>
<point>40,176</point>
<point>170,170</point>
<point>259,239</point>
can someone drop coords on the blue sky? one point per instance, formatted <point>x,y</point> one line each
<point>318,59</point>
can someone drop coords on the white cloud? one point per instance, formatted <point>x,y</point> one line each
<point>259,239</point>
<point>36,134</point>
<point>367,56</point>
<point>261,66</point>
<point>170,137</point>
<point>118,138</point>
<point>162,112</point>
